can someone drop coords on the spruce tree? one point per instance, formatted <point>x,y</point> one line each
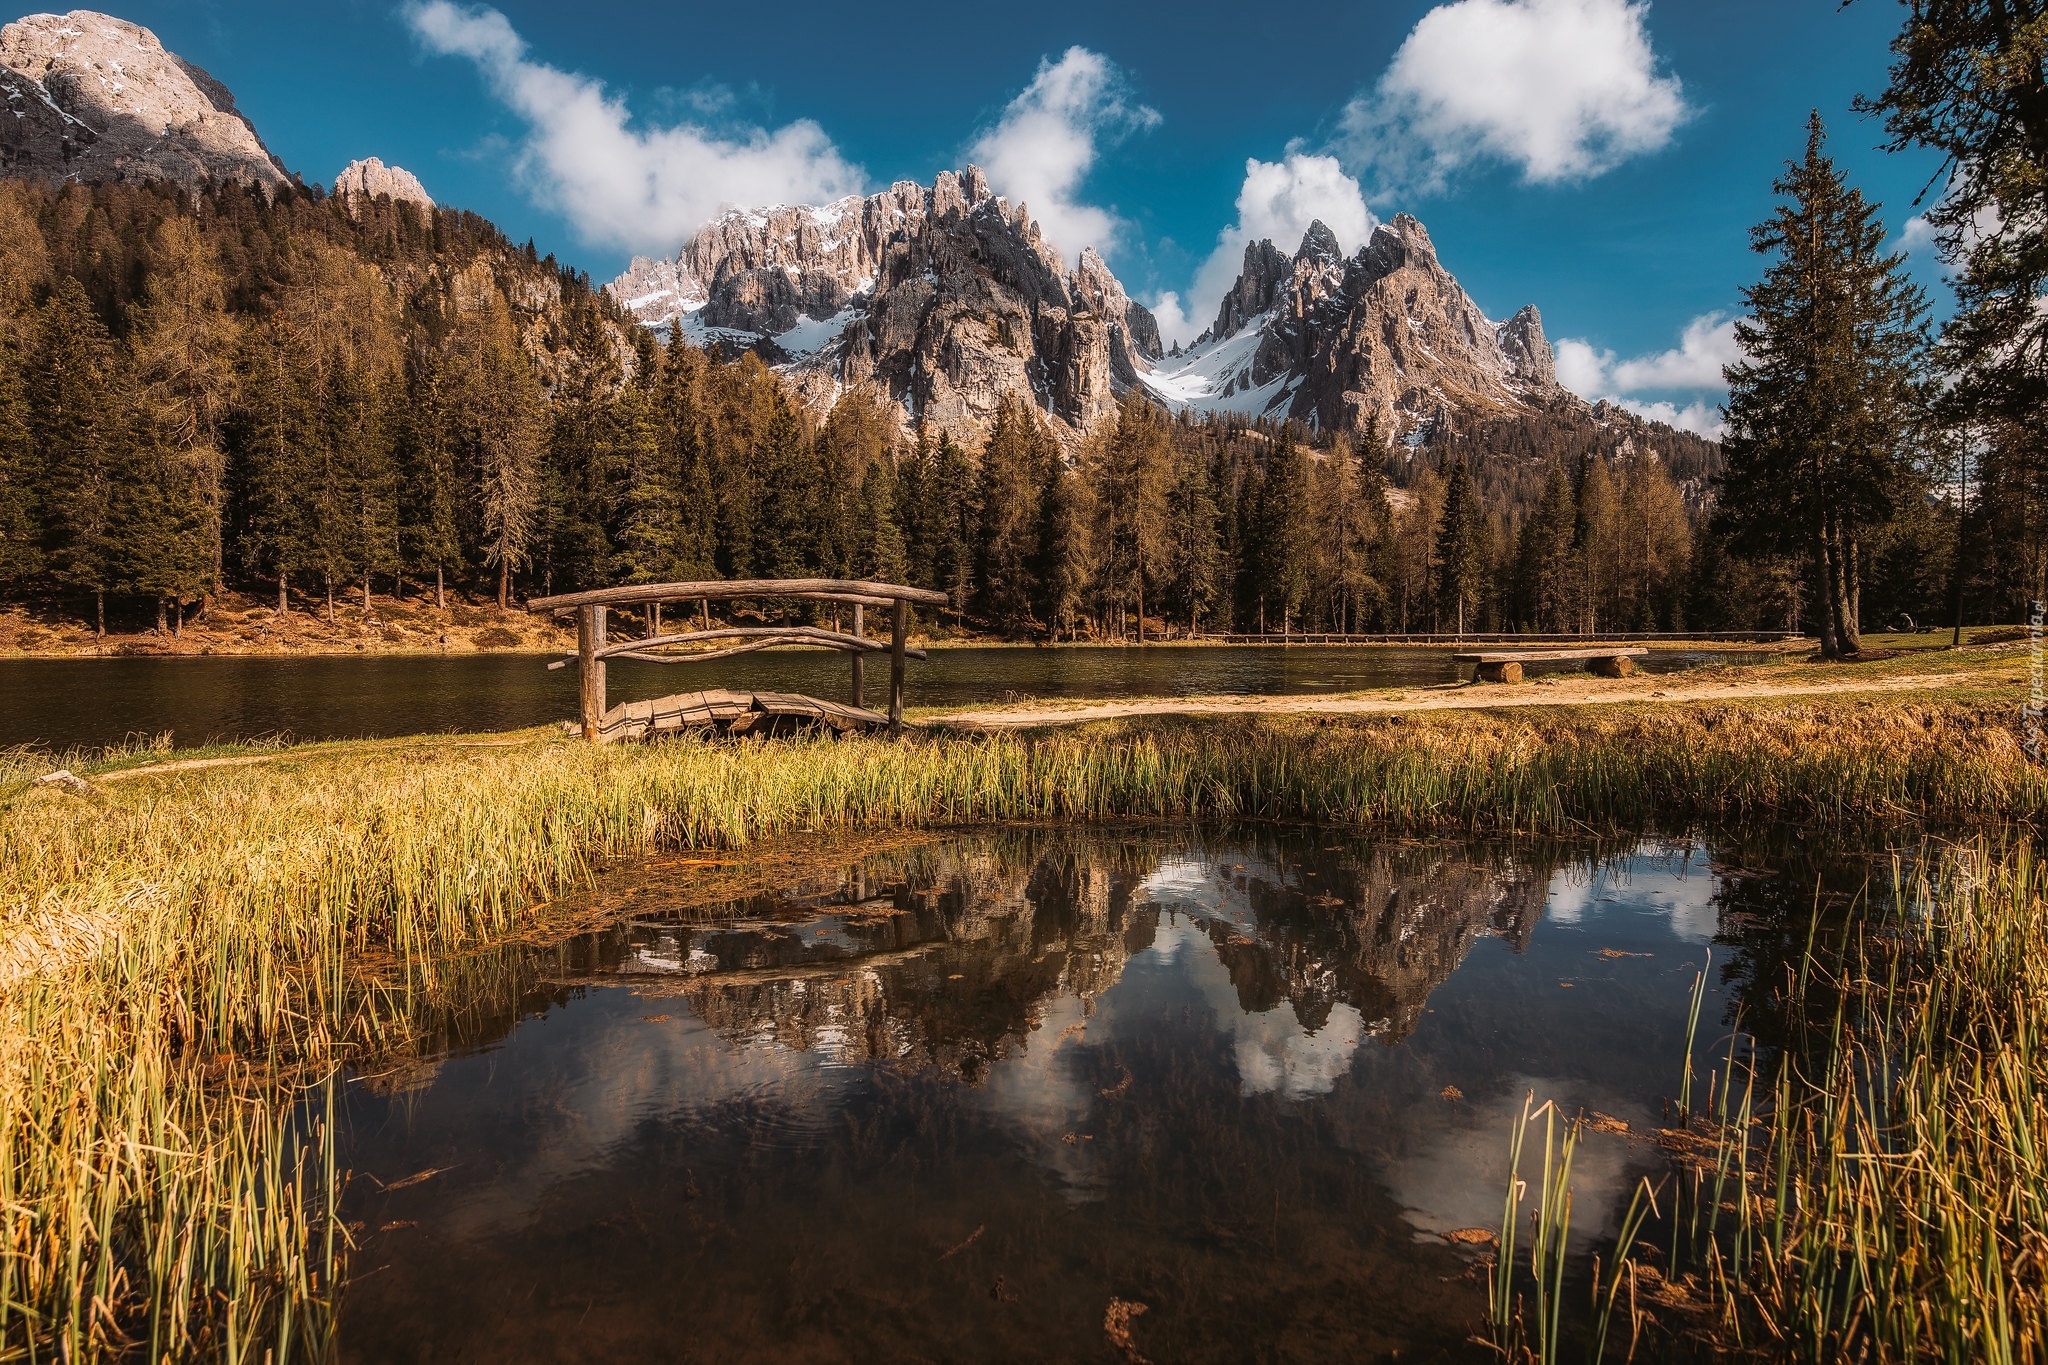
<point>1545,568</point>
<point>1014,467</point>
<point>1461,548</point>
<point>1132,477</point>
<point>1822,410</point>
<point>81,420</point>
<point>22,479</point>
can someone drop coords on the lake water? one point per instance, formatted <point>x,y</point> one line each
<point>77,703</point>
<point>952,1099</point>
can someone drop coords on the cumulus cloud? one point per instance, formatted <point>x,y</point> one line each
<point>1277,202</point>
<point>1562,89</point>
<point>1043,147</point>
<point>621,185</point>
<point>1707,344</point>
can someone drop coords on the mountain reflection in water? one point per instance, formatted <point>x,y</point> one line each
<point>946,1102</point>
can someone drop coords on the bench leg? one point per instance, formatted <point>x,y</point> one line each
<point>1616,666</point>
<point>1509,672</point>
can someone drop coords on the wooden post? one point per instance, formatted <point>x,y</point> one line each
<point>899,625</point>
<point>860,660</point>
<point>590,669</point>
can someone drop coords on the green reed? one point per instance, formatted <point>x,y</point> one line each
<point>186,959</point>
<point>1877,1188</point>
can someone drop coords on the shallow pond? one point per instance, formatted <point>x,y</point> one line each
<point>67,703</point>
<point>951,1098</point>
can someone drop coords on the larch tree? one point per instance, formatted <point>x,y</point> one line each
<point>1822,411</point>
<point>184,343</point>
<point>504,430</point>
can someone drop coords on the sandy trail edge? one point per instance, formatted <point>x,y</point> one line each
<point>1455,697</point>
<point>243,760</point>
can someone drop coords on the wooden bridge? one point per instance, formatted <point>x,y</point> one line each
<point>735,712</point>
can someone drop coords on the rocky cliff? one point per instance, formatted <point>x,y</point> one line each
<point>362,181</point>
<point>947,299</point>
<point>1329,341</point>
<point>97,99</point>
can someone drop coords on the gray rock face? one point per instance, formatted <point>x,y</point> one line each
<point>1330,342</point>
<point>365,180</point>
<point>97,99</point>
<point>947,299</point>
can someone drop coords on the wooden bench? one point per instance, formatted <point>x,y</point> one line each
<point>1505,665</point>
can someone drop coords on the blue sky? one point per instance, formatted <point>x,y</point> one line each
<point>1599,158</point>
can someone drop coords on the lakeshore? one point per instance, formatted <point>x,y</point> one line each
<point>212,941</point>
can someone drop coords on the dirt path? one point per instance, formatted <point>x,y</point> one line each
<point>1560,690</point>
<point>243,760</point>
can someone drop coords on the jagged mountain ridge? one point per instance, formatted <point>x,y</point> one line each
<point>1332,342</point>
<point>946,298</point>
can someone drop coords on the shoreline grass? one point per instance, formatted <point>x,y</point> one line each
<point>184,955</point>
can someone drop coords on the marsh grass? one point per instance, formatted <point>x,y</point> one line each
<point>187,958</point>
<point>1876,1187</point>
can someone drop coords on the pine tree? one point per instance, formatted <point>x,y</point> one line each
<point>278,433</point>
<point>82,425</point>
<point>1461,548</point>
<point>1820,414</point>
<point>22,479</point>
<point>1069,557</point>
<point>1194,547</point>
<point>1545,560</point>
<point>1014,468</point>
<point>1596,542</point>
<point>1133,469</point>
<point>503,430</point>
<point>425,442</point>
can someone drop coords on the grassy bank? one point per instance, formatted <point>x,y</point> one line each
<point>181,956</point>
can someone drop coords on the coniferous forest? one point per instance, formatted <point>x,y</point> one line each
<point>320,400</point>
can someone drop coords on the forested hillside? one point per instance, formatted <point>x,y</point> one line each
<point>317,399</point>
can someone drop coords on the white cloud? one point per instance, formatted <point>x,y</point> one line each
<point>1174,323</point>
<point>1046,142</point>
<point>1563,89</point>
<point>1277,202</point>
<point>1707,344</point>
<point>642,189</point>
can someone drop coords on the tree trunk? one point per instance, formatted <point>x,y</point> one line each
<point>653,620</point>
<point>178,620</point>
<point>283,603</point>
<point>1830,648</point>
<point>328,578</point>
<point>1141,606</point>
<point>163,622</point>
<point>504,583</point>
<point>99,600</point>
<point>440,590</point>
<point>366,594</point>
<point>1852,620</point>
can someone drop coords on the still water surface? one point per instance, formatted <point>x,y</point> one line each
<point>949,1100</point>
<point>67,703</point>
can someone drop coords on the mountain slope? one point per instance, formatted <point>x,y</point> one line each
<point>947,299</point>
<point>98,99</point>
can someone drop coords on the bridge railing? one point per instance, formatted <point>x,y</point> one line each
<point>592,648</point>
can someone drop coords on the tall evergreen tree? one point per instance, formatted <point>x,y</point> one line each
<point>82,423</point>
<point>1132,475</point>
<point>1821,413</point>
<point>1545,569</point>
<point>1461,548</point>
<point>1014,467</point>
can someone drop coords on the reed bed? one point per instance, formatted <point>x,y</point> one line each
<point>1875,1188</point>
<point>186,959</point>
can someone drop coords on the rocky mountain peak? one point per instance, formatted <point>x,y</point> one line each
<point>1319,244</point>
<point>1387,335</point>
<point>98,99</point>
<point>947,299</point>
<point>366,179</point>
